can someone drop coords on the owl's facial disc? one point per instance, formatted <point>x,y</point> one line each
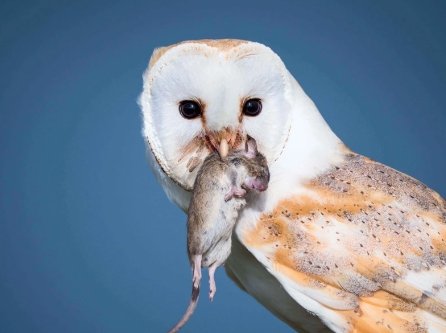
<point>198,99</point>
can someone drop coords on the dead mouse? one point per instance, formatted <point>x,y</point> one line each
<point>217,198</point>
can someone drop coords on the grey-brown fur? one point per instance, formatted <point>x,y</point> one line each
<point>211,218</point>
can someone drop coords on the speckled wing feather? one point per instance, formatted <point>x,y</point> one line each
<point>363,247</point>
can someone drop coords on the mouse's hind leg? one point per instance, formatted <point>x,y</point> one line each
<point>196,278</point>
<point>212,286</point>
<point>223,250</point>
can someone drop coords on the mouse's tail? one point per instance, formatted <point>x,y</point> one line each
<point>189,311</point>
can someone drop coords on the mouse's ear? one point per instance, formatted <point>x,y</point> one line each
<point>250,147</point>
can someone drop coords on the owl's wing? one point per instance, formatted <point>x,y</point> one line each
<point>363,248</point>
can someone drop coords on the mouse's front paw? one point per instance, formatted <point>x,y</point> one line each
<point>239,192</point>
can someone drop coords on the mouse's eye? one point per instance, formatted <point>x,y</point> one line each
<point>235,161</point>
<point>190,109</point>
<point>252,107</point>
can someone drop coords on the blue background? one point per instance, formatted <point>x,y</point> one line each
<point>88,240</point>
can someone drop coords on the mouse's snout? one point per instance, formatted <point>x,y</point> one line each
<point>258,184</point>
<point>262,188</point>
<point>263,185</point>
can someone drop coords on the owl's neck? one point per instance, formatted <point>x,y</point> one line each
<point>311,149</point>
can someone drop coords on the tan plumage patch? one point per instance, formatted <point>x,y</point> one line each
<point>223,45</point>
<point>354,237</point>
<point>384,312</point>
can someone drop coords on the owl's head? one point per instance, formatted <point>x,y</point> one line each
<point>198,93</point>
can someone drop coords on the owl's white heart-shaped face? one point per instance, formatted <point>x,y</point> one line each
<point>199,93</point>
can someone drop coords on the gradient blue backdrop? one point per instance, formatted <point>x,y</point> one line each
<point>88,240</point>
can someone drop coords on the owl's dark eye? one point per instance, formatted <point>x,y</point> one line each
<point>252,107</point>
<point>190,109</point>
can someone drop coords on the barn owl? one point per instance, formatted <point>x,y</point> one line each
<point>338,242</point>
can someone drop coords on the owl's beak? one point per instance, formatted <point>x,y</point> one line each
<point>223,148</point>
<point>223,141</point>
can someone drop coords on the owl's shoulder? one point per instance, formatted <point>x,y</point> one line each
<point>363,177</point>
